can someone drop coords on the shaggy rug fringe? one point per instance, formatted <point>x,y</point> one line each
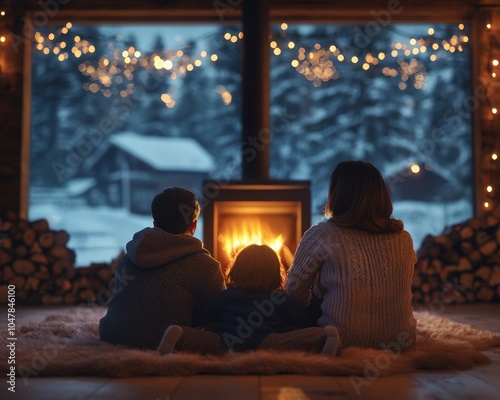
<point>69,345</point>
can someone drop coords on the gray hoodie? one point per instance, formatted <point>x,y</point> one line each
<point>158,283</point>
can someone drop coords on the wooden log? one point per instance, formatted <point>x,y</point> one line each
<point>475,258</point>
<point>36,248</point>
<point>23,267</point>
<point>70,298</point>
<point>6,243</point>
<point>18,282</point>
<point>32,284</point>
<point>425,288</point>
<point>466,233</point>
<point>105,275</point>
<point>495,276</point>
<point>485,294</point>
<point>39,258</point>
<point>435,266</point>
<point>470,297</point>
<point>494,259</point>
<point>62,268</point>
<point>422,265</point>
<point>43,273</point>
<point>87,295</point>
<point>4,291</point>
<point>8,273</point>
<point>40,225</point>
<point>483,273</point>
<point>490,221</point>
<point>481,237</point>
<point>63,285</point>
<point>488,248</point>
<point>21,295</point>
<point>466,247</point>
<point>81,284</point>
<point>5,257</point>
<point>445,241</point>
<point>29,236</point>
<point>62,238</point>
<point>6,226</point>
<point>464,264</point>
<point>451,257</point>
<point>466,279</point>
<point>46,240</point>
<point>21,251</point>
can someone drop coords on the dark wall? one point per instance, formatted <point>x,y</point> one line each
<point>11,62</point>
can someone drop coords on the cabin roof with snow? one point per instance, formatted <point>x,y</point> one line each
<point>165,153</point>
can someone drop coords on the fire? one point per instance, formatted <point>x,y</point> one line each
<point>239,235</point>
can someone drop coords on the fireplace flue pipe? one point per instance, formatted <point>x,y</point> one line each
<point>255,91</point>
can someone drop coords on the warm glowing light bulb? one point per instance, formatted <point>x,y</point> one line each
<point>461,27</point>
<point>494,156</point>
<point>284,26</point>
<point>227,36</point>
<point>493,74</point>
<point>2,39</point>
<point>295,63</point>
<point>494,110</point>
<point>2,13</point>
<point>488,26</point>
<point>430,31</point>
<point>354,59</point>
<point>214,57</point>
<point>291,45</point>
<point>415,169</point>
<point>495,62</point>
<point>486,204</point>
<point>489,189</point>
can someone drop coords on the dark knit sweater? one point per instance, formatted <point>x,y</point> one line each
<point>245,318</point>
<point>158,283</point>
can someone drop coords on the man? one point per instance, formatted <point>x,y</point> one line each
<point>165,274</point>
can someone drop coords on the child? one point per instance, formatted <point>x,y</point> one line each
<point>254,312</point>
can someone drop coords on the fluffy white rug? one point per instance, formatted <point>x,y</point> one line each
<point>69,345</point>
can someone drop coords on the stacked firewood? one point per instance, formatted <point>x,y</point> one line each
<point>462,265</point>
<point>37,261</point>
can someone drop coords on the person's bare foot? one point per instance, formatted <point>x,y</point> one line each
<point>170,338</point>
<point>332,342</point>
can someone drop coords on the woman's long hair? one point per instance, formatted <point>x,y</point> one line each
<point>257,269</point>
<point>358,198</point>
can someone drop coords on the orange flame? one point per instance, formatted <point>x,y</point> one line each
<point>239,235</point>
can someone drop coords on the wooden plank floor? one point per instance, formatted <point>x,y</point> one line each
<point>480,383</point>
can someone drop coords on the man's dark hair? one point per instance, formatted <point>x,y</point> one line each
<point>174,209</point>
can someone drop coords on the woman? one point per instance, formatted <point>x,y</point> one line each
<point>359,263</point>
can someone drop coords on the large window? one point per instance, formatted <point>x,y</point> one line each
<point>120,112</point>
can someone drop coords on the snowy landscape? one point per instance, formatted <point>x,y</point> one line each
<point>399,102</point>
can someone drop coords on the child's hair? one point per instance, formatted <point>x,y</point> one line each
<point>175,209</point>
<point>257,269</point>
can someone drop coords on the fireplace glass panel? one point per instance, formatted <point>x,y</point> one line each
<point>240,223</point>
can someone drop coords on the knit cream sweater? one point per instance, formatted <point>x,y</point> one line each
<point>364,280</point>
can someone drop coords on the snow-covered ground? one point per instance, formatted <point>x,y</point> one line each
<point>98,234</point>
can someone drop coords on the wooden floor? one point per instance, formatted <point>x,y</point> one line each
<point>480,383</point>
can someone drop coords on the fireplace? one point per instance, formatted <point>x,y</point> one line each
<point>275,213</point>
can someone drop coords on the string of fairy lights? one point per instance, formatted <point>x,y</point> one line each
<point>492,66</point>
<point>113,72</point>
<point>317,62</point>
